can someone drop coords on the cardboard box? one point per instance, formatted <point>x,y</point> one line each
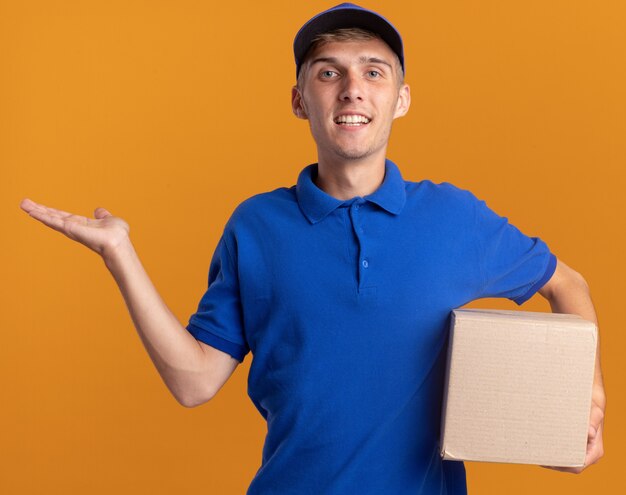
<point>518,387</point>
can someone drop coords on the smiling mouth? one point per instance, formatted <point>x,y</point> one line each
<point>352,120</point>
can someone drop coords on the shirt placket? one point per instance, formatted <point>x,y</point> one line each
<point>357,219</point>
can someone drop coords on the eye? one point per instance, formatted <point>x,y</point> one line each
<point>373,74</point>
<point>327,74</point>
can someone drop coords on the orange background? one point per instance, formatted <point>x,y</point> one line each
<point>171,113</point>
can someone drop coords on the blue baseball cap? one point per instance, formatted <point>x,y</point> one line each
<point>346,15</point>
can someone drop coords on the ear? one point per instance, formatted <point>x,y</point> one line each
<point>297,105</point>
<point>404,101</point>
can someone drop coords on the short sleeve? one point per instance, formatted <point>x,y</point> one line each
<point>218,321</point>
<point>512,264</point>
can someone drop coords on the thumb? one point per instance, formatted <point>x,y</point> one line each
<point>101,213</point>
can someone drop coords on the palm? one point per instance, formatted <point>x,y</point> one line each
<point>99,234</point>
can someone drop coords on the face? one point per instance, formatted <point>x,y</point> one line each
<point>350,95</point>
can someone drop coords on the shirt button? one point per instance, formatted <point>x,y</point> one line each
<point>357,206</point>
<point>361,229</point>
<point>365,264</point>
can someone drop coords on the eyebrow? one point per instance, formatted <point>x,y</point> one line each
<point>362,60</point>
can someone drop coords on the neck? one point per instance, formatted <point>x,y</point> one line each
<point>346,179</point>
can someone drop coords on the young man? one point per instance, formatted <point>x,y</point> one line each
<point>341,286</point>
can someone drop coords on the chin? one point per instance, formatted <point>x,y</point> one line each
<point>354,154</point>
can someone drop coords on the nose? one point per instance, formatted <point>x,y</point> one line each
<point>351,89</point>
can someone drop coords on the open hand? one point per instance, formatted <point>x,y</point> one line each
<point>102,234</point>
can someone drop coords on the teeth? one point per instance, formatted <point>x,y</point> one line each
<point>352,119</point>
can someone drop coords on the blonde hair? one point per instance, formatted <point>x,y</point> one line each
<point>344,34</point>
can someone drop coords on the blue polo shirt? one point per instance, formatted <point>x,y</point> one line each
<point>345,307</point>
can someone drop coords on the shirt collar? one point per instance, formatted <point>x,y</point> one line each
<point>316,204</point>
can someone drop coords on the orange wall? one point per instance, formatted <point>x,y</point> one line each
<point>171,113</point>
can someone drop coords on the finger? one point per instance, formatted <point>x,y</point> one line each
<point>53,221</point>
<point>29,205</point>
<point>61,213</point>
<point>592,456</point>
<point>595,449</point>
<point>56,211</point>
<point>596,417</point>
<point>44,213</point>
<point>101,213</point>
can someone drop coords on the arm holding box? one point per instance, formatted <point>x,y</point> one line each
<point>568,292</point>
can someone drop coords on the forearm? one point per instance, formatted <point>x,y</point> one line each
<point>176,354</point>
